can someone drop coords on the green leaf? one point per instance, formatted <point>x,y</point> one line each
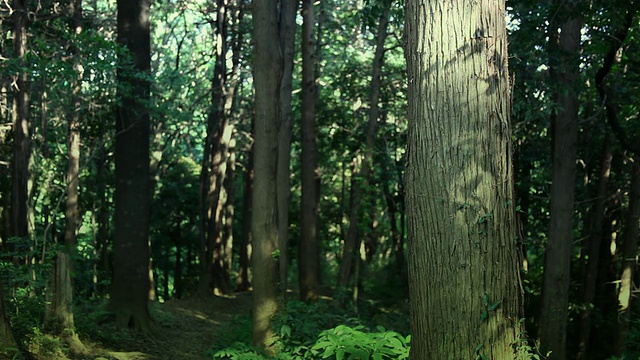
<point>494,306</point>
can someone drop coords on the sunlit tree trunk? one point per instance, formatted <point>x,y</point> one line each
<point>264,225</point>
<point>362,176</point>
<point>464,287</point>
<point>130,288</point>
<point>555,288</point>
<point>214,167</point>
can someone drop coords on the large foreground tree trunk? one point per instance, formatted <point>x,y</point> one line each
<point>555,288</point>
<point>130,289</point>
<point>465,292</point>
<point>264,224</point>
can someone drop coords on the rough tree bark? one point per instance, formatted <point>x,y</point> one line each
<point>465,294</point>
<point>264,223</point>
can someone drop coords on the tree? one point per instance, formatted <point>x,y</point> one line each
<point>267,73</point>
<point>130,289</point>
<point>6,335</point>
<point>214,166</point>
<point>308,256</point>
<point>363,177</point>
<point>59,314</point>
<point>465,294</point>
<point>288,10</point>
<point>21,127</point>
<point>564,52</point>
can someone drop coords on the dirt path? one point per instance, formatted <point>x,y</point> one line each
<point>188,329</point>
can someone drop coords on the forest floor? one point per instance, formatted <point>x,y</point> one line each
<point>188,328</point>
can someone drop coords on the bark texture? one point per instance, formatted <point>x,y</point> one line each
<point>264,222</point>
<point>465,294</point>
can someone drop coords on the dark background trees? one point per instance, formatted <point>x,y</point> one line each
<point>187,105</point>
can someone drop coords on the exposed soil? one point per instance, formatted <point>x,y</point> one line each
<point>187,327</point>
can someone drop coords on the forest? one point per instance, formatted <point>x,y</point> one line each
<point>328,179</point>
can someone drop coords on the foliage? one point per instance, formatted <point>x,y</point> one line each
<point>313,330</point>
<point>344,342</point>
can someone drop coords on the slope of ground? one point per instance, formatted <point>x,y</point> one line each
<point>188,328</point>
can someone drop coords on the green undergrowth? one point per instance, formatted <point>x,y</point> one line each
<point>318,330</point>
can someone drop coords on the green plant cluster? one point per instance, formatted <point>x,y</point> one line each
<point>316,330</point>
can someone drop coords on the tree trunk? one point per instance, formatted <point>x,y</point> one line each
<point>592,251</point>
<point>243,281</point>
<point>629,254</point>
<point>362,177</point>
<point>308,254</point>
<point>8,344</point>
<point>555,288</point>
<point>465,293</point>
<point>267,75</point>
<point>288,10</point>
<point>214,167</point>
<point>60,289</point>
<point>229,212</point>
<point>103,262</point>
<point>130,289</point>
<point>21,129</point>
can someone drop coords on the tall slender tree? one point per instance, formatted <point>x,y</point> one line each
<point>267,73</point>
<point>363,177</point>
<point>465,295</point>
<point>21,127</point>
<point>308,256</point>
<point>214,166</point>
<point>288,10</point>
<point>59,314</point>
<point>130,289</point>
<point>564,49</point>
